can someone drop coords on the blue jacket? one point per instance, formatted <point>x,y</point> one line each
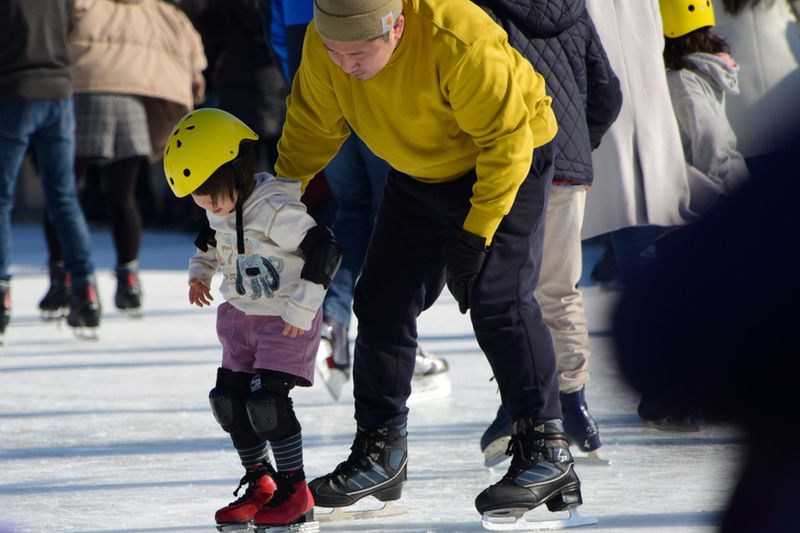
<point>287,29</point>
<point>559,38</point>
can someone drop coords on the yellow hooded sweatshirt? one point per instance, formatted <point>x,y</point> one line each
<point>454,96</point>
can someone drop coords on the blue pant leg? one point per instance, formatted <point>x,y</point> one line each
<point>356,177</point>
<point>17,122</point>
<point>54,146</point>
<point>634,250</point>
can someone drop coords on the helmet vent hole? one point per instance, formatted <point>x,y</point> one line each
<point>171,181</point>
<point>186,172</point>
<point>691,7</point>
<point>179,144</point>
<point>231,151</point>
<point>176,131</point>
<point>168,147</point>
<point>189,127</point>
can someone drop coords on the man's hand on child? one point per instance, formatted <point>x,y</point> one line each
<point>199,293</point>
<point>292,331</point>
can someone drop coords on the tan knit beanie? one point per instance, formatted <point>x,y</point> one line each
<point>355,20</point>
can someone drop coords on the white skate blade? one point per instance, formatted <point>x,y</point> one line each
<point>338,514</point>
<point>426,388</point>
<point>590,459</point>
<point>304,527</point>
<point>514,522</point>
<point>131,313</point>
<point>52,316</point>
<point>495,452</point>
<point>87,334</point>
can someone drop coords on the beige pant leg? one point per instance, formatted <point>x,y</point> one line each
<point>560,300</point>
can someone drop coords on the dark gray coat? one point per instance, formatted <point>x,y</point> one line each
<point>560,40</point>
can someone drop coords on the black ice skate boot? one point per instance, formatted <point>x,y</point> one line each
<point>55,303</point>
<point>128,297</point>
<point>541,471</point>
<point>84,308</point>
<point>579,425</point>
<point>5,308</point>
<point>376,467</point>
<point>261,487</point>
<point>494,441</point>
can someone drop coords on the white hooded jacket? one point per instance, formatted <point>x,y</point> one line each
<point>266,279</point>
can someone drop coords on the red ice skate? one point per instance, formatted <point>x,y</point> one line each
<point>292,508</point>
<point>260,488</point>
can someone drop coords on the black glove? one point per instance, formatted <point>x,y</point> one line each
<point>464,263</point>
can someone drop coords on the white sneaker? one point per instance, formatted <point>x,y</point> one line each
<point>431,380</point>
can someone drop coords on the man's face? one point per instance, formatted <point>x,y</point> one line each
<point>364,59</point>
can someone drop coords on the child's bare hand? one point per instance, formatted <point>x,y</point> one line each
<point>199,293</point>
<point>292,331</point>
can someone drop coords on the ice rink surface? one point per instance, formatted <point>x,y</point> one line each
<point>116,435</point>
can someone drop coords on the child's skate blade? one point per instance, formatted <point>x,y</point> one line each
<point>495,453</point>
<point>304,527</point>
<point>244,527</point>
<point>339,514</point>
<point>519,520</point>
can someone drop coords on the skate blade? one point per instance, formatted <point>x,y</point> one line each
<point>426,388</point>
<point>495,453</point>
<point>53,316</point>
<point>333,379</point>
<point>590,459</point>
<point>131,313</point>
<point>338,514</point>
<point>85,333</point>
<point>304,527</point>
<point>518,519</point>
<point>244,527</point>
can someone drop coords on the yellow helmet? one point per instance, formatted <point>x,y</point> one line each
<point>684,16</point>
<point>201,142</point>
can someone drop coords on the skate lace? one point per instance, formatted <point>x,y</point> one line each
<point>250,480</point>
<point>365,451</point>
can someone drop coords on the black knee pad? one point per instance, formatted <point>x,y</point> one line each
<point>270,409</point>
<point>229,398</point>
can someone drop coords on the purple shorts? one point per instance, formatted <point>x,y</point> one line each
<point>254,342</point>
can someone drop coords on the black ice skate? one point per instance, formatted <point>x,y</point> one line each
<point>376,467</point>
<point>541,472</point>
<point>580,427</point>
<point>55,304</point>
<point>84,309</point>
<point>128,297</point>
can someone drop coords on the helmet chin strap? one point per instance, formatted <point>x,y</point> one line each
<point>238,169</point>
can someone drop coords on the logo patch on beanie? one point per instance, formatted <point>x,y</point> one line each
<point>387,22</point>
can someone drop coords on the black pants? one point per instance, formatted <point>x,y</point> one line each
<point>403,275</point>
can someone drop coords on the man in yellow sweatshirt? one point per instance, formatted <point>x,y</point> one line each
<point>434,88</point>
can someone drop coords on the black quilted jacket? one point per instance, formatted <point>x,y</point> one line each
<point>560,40</point>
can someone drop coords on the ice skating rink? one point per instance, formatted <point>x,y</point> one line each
<point>116,435</point>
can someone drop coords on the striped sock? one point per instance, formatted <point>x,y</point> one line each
<point>288,453</point>
<point>254,456</point>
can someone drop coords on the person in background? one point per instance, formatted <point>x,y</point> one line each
<point>356,178</point>
<point>565,47</point>
<point>132,79</point>
<point>276,263</point>
<point>643,188</point>
<point>700,74</point>
<point>36,112</point>
<point>764,37</point>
